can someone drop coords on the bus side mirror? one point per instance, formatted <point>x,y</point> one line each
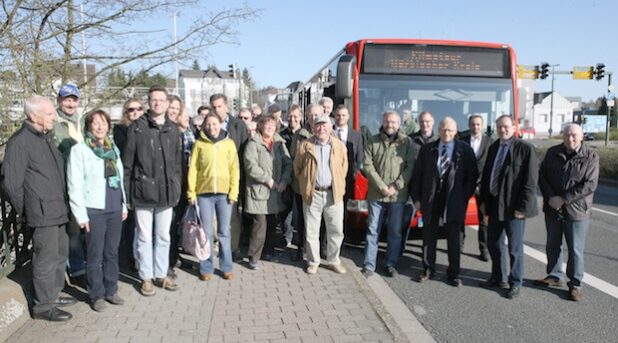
<point>345,75</point>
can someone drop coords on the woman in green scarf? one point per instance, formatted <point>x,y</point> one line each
<point>96,194</point>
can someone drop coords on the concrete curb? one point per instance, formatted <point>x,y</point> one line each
<point>394,313</point>
<point>13,307</point>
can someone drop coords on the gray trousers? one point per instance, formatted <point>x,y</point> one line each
<point>49,260</point>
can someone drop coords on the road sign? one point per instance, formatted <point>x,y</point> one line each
<point>611,96</point>
<point>610,103</point>
<point>527,72</point>
<point>583,73</point>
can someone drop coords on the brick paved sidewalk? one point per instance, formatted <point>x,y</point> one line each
<point>277,303</point>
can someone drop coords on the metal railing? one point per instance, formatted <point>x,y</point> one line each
<point>15,238</point>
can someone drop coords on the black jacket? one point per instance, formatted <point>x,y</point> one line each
<point>461,180</point>
<point>574,178</point>
<point>34,179</point>
<point>120,137</point>
<point>237,131</point>
<point>483,149</point>
<point>419,140</point>
<point>354,144</point>
<point>517,181</point>
<point>152,162</point>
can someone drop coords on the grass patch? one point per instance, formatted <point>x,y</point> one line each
<point>613,135</point>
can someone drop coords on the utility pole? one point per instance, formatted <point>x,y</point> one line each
<point>610,102</point>
<point>175,53</point>
<point>551,104</point>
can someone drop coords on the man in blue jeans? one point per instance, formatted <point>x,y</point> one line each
<point>508,192</point>
<point>568,177</point>
<point>388,163</point>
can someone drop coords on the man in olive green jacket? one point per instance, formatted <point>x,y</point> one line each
<point>388,164</point>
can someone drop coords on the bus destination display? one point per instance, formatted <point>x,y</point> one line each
<point>435,60</point>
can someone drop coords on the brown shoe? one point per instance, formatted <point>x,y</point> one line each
<point>228,275</point>
<point>549,282</point>
<point>312,268</point>
<point>575,294</point>
<point>166,283</point>
<point>206,277</point>
<point>337,268</point>
<point>147,289</point>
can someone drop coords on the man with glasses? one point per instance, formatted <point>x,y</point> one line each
<point>508,192</point>
<point>444,177</point>
<point>245,115</point>
<point>153,174</point>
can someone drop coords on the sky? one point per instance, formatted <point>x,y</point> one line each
<point>290,40</point>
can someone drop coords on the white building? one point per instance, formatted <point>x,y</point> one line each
<point>562,112</point>
<point>196,87</point>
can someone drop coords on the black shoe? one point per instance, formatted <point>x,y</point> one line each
<point>484,256</point>
<point>454,281</point>
<point>185,265</point>
<point>366,272</point>
<point>65,301</point>
<point>391,271</point>
<point>53,315</point>
<point>491,283</point>
<point>426,275</point>
<point>513,292</point>
<point>237,256</point>
<point>79,281</point>
<point>299,255</point>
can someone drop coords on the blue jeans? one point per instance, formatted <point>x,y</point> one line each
<point>394,215</point>
<point>209,206</point>
<point>153,259</point>
<point>574,232</point>
<point>514,230</point>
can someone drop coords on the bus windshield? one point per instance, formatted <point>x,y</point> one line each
<point>458,97</point>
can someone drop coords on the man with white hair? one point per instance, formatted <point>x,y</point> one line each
<point>444,177</point>
<point>568,177</point>
<point>34,182</point>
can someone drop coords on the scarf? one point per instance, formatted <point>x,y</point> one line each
<point>105,152</point>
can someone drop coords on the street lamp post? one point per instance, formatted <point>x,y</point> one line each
<point>551,103</point>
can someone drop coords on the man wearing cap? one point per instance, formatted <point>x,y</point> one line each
<point>320,166</point>
<point>68,132</point>
<point>388,164</point>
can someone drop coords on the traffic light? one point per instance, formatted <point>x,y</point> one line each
<point>236,105</point>
<point>600,72</point>
<point>232,70</point>
<point>544,70</point>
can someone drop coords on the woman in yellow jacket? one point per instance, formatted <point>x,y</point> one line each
<point>213,183</point>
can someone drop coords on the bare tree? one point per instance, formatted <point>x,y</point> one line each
<point>40,40</point>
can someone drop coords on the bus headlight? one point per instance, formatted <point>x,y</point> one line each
<point>357,206</point>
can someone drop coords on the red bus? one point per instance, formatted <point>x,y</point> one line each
<point>446,78</point>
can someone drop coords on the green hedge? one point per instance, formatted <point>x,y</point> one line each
<point>613,135</point>
<point>608,160</point>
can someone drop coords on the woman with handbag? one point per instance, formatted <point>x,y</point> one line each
<point>96,193</point>
<point>268,171</point>
<point>213,182</point>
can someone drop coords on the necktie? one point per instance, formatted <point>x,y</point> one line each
<point>444,161</point>
<point>340,134</point>
<point>495,173</point>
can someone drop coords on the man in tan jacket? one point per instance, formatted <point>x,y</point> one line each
<point>320,166</point>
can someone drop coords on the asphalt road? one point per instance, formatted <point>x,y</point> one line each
<point>474,314</point>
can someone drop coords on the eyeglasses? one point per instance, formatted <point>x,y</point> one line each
<point>134,109</point>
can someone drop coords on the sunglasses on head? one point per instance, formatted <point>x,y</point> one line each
<point>133,109</point>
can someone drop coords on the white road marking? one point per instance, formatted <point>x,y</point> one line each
<point>604,211</point>
<point>591,280</point>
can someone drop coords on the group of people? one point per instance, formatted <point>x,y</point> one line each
<point>440,174</point>
<point>75,183</point>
